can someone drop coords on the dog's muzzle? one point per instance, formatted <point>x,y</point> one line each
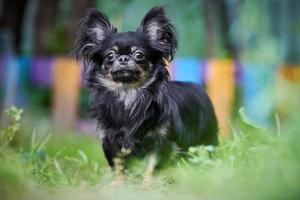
<point>125,75</point>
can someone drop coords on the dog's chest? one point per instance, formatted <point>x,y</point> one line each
<point>129,98</point>
<point>132,112</point>
<point>123,108</point>
<point>132,109</point>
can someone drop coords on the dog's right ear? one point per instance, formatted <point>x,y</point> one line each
<point>93,29</point>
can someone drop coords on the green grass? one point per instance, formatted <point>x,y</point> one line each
<point>255,164</point>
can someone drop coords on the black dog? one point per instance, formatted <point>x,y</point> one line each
<point>137,107</point>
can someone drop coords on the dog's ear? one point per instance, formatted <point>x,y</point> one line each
<point>93,29</point>
<point>160,30</point>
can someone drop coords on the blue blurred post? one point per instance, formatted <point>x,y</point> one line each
<point>188,69</point>
<point>10,69</point>
<point>1,73</point>
<point>258,95</point>
<point>23,82</point>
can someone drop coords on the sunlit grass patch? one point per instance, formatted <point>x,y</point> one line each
<point>256,163</point>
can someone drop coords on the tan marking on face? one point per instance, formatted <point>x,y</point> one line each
<point>115,48</point>
<point>133,49</point>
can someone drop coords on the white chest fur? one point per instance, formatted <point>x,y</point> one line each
<point>129,97</point>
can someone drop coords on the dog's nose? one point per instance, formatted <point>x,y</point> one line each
<point>123,60</point>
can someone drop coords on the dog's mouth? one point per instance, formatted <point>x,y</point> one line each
<point>126,75</point>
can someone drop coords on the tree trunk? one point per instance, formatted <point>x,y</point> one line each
<point>11,19</point>
<point>208,6</point>
<point>44,23</point>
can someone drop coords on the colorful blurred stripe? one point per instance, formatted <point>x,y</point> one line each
<point>221,76</point>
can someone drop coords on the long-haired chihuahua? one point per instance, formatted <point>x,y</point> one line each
<point>139,110</point>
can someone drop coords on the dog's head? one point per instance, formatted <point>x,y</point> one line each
<point>117,59</point>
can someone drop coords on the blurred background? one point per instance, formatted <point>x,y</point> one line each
<point>245,53</point>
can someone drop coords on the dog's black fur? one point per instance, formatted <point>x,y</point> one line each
<point>132,97</point>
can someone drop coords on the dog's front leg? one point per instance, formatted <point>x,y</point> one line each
<point>116,158</point>
<point>119,164</point>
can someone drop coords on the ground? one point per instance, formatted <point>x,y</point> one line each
<point>256,163</point>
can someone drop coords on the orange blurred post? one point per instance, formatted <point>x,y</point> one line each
<point>221,88</point>
<point>66,83</point>
<point>290,72</point>
<point>287,90</point>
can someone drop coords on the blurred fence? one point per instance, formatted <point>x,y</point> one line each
<point>223,78</point>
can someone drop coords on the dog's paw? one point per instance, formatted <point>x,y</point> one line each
<point>118,181</point>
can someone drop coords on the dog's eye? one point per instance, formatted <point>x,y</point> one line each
<point>110,57</point>
<point>139,56</point>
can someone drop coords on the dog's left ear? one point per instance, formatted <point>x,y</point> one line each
<point>93,29</point>
<point>160,30</point>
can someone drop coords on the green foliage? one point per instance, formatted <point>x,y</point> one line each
<point>54,162</point>
<point>261,31</point>
<point>251,31</point>
<point>58,41</point>
<point>14,121</point>
<point>255,164</point>
<point>186,15</point>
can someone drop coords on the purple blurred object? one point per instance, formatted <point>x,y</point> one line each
<point>239,72</point>
<point>41,71</point>
<point>204,71</point>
